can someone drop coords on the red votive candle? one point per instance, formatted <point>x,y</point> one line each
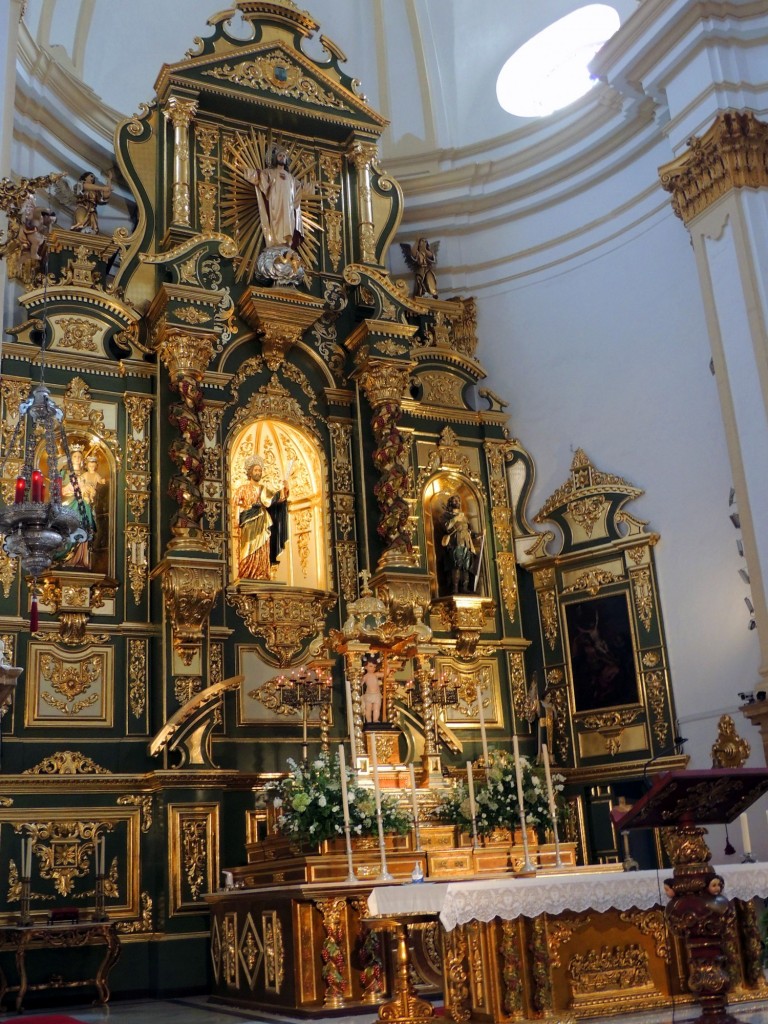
<point>21,490</point>
<point>37,485</point>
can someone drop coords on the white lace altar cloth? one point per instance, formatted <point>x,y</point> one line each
<point>459,902</point>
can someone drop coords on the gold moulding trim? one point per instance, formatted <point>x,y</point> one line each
<point>732,154</point>
<point>67,762</point>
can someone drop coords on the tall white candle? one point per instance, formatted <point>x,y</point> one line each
<point>746,842</point>
<point>548,779</point>
<point>351,720</point>
<point>344,794</point>
<point>481,716</point>
<point>471,788</point>
<point>103,862</point>
<point>528,865</point>
<point>519,779</point>
<point>28,872</point>
<point>379,820</point>
<point>375,773</point>
<point>414,805</point>
<point>551,798</point>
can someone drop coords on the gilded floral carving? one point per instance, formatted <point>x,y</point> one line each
<point>137,677</point>
<point>549,617</point>
<point>71,682</point>
<point>274,73</point>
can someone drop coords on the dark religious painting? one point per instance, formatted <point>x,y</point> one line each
<point>602,653</point>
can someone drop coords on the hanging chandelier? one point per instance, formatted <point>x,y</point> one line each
<point>37,527</point>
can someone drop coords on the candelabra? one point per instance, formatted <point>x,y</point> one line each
<point>100,866</point>
<point>308,687</point>
<point>25,877</point>
<point>426,694</point>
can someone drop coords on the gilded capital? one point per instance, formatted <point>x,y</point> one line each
<point>362,154</point>
<point>185,355</point>
<point>383,381</point>
<point>180,111</point>
<point>733,153</point>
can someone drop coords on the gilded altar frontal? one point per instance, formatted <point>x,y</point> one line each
<point>308,556</point>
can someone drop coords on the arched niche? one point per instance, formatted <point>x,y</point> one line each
<point>304,559</point>
<point>435,498</point>
<point>96,470</point>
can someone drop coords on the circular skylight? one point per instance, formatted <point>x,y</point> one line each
<point>550,70</point>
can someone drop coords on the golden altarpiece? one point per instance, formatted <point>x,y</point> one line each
<point>277,442</point>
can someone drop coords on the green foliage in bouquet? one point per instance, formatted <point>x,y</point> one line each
<point>496,797</point>
<point>309,805</point>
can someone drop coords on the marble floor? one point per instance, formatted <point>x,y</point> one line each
<point>200,1011</point>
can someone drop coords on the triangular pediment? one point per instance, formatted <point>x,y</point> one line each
<point>275,77</point>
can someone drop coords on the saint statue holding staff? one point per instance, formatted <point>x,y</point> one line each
<point>262,520</point>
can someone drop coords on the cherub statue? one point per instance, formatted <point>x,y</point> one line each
<point>28,225</point>
<point>372,682</point>
<point>421,258</point>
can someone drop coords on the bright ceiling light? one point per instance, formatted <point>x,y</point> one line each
<point>550,70</point>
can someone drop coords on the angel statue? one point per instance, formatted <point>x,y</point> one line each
<point>421,258</point>
<point>88,196</point>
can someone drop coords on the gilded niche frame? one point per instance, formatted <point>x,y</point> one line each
<point>607,693</point>
<point>435,494</point>
<point>601,652</point>
<point>193,856</point>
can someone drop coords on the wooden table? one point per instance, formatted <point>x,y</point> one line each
<point>22,938</point>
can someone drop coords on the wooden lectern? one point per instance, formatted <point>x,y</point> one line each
<point>679,803</point>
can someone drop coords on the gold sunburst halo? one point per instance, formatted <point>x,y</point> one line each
<point>244,154</point>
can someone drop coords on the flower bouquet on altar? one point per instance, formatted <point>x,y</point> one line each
<point>308,804</point>
<point>496,801</point>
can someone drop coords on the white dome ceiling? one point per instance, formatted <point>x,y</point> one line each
<point>430,66</point>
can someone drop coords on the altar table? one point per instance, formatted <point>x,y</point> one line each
<point>574,944</point>
<point>457,903</point>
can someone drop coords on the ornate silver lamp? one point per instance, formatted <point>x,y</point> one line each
<point>39,529</point>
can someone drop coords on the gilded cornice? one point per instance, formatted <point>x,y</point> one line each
<point>95,365</point>
<point>150,782</point>
<point>585,482</point>
<point>733,153</point>
<point>391,296</point>
<point>370,330</point>
<point>58,295</point>
<point>282,11</point>
<point>433,354</point>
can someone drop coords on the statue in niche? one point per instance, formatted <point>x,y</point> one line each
<point>460,551</point>
<point>421,258</point>
<point>278,194</point>
<point>88,197</point>
<point>262,520</point>
<point>79,555</point>
<point>372,682</point>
